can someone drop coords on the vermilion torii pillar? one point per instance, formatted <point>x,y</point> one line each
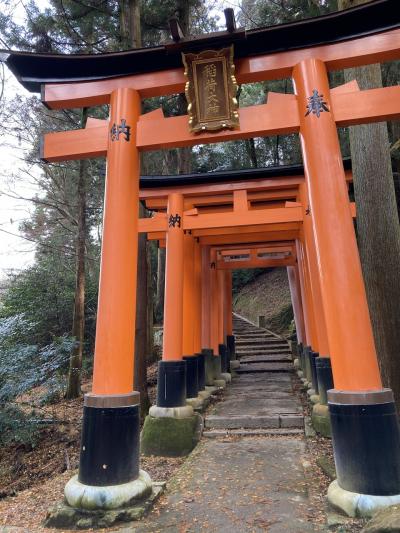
<point>198,319</point>
<point>230,339</point>
<point>111,411</point>
<point>364,424</point>
<point>295,294</point>
<point>320,362</point>
<point>171,385</point>
<point>195,379</point>
<point>214,317</point>
<point>188,317</point>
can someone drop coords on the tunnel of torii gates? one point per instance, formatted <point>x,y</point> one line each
<point>213,223</point>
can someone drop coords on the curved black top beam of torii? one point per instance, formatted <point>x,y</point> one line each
<point>221,176</point>
<point>32,70</point>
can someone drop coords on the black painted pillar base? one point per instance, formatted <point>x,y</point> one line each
<point>192,376</point>
<point>314,356</point>
<point>201,371</point>
<point>109,475</point>
<point>302,359</point>
<point>171,384</point>
<point>230,342</point>
<point>110,440</point>
<point>366,441</point>
<point>223,353</point>
<point>172,428</point>
<point>307,363</point>
<point>208,354</point>
<point>324,377</point>
<point>217,365</point>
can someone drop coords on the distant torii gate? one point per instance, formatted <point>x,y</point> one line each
<point>316,216</point>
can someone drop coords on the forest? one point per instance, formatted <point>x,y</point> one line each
<point>48,310</point>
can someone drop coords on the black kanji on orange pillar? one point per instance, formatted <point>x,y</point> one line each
<point>121,129</point>
<point>174,220</point>
<point>316,104</point>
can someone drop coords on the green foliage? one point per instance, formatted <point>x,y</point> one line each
<point>18,427</point>
<point>280,323</point>
<point>24,365</point>
<point>242,277</point>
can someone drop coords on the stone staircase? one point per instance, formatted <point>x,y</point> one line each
<point>260,400</point>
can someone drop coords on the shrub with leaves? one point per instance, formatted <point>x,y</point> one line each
<point>23,366</point>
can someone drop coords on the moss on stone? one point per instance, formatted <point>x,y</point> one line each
<point>209,369</point>
<point>62,516</point>
<point>327,465</point>
<point>170,437</point>
<point>321,420</point>
<point>385,521</point>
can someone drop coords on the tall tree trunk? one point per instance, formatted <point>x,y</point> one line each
<point>134,24</point>
<point>378,228</point>
<point>184,154</point>
<point>78,322</point>
<point>251,151</point>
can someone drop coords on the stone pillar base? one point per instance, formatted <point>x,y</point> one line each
<point>206,393</point>
<point>314,398</point>
<point>226,376</point>
<point>321,421</point>
<point>197,403</point>
<point>359,505</point>
<point>171,432</point>
<point>63,516</point>
<point>81,496</point>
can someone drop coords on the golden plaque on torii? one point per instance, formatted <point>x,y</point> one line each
<point>211,90</point>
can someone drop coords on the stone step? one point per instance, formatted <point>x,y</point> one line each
<point>265,367</point>
<point>245,353</point>
<point>264,355</point>
<point>257,340</point>
<point>264,359</point>
<point>252,334</point>
<point>242,332</point>
<point>258,432</point>
<point>264,346</point>
<point>253,422</point>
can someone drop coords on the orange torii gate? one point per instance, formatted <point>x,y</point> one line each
<point>318,217</point>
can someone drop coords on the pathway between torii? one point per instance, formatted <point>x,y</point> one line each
<point>249,478</point>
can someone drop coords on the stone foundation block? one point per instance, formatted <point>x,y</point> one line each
<point>235,364</point>
<point>315,399</point>
<point>359,505</point>
<point>321,420</point>
<point>197,403</point>
<point>62,516</point>
<point>170,437</point>
<point>81,496</point>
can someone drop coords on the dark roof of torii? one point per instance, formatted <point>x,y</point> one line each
<point>32,69</point>
<point>221,176</point>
